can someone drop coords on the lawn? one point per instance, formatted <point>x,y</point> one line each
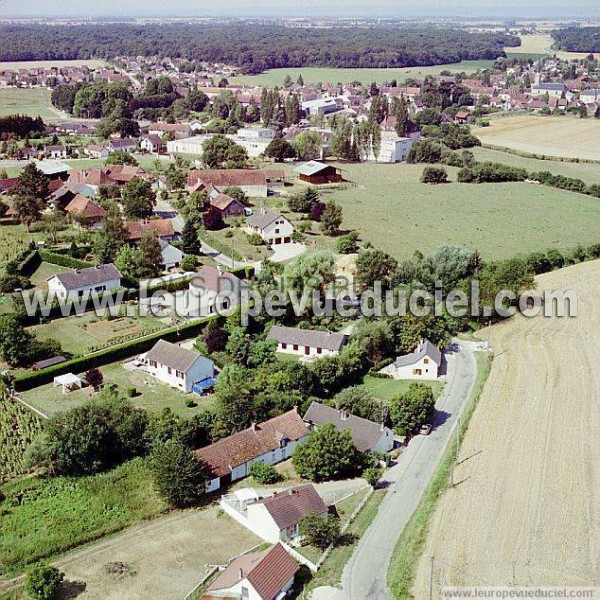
<point>239,242</point>
<point>276,77</point>
<point>397,213</point>
<point>79,334</point>
<point>384,389</point>
<point>43,272</point>
<point>566,136</point>
<point>588,172</point>
<point>153,395</point>
<point>32,102</point>
<point>44,517</point>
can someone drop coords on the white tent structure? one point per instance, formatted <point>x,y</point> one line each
<point>69,382</point>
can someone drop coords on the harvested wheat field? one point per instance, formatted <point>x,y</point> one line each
<point>566,136</point>
<point>526,508</point>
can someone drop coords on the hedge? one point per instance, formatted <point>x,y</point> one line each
<point>64,261</point>
<point>33,379</point>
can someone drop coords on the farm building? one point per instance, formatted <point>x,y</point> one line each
<point>255,183</point>
<point>318,173</point>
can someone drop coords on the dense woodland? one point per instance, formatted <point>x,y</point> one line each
<point>578,39</point>
<point>255,48</point>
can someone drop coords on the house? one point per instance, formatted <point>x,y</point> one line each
<point>270,442</point>
<point>179,367</point>
<point>424,363</point>
<point>122,174</point>
<point>306,342</point>
<point>320,106</point>
<point>122,145</point>
<point>256,183</point>
<point>318,173</point>
<point>152,143</point>
<point>367,436</point>
<point>554,90</point>
<point>255,140</point>
<point>278,517</point>
<point>56,151</point>
<point>93,280</point>
<point>264,575</point>
<point>176,129</point>
<point>96,151</point>
<point>392,149</point>
<point>213,290</point>
<point>85,211</point>
<point>590,95</point>
<point>162,227</point>
<point>171,256</point>
<point>272,227</point>
<point>227,206</point>
<point>461,117</point>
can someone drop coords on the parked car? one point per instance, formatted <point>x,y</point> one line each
<point>425,429</point>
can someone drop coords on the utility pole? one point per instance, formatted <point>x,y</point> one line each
<point>232,260</point>
<point>431,579</point>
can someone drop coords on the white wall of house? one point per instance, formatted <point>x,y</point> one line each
<point>202,368</point>
<point>278,232</point>
<point>262,523</point>
<point>244,589</point>
<point>56,287</point>
<point>171,256</point>
<point>425,368</point>
<point>300,350</point>
<point>393,149</point>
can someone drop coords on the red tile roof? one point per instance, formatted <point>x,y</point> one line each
<point>239,448</point>
<point>267,571</point>
<point>287,508</point>
<point>221,178</point>
<point>162,227</point>
<point>85,207</point>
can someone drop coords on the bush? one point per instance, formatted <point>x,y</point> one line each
<point>372,476</point>
<point>131,392</point>
<point>64,261</point>
<point>190,403</point>
<point>434,175</point>
<point>347,244</point>
<point>255,240</point>
<point>189,262</point>
<point>264,473</point>
<point>43,582</point>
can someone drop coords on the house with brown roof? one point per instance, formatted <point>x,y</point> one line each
<point>162,227</point>
<point>227,206</point>
<point>270,442</point>
<point>277,518</point>
<point>265,575</point>
<point>85,212</point>
<point>254,182</point>
<point>367,436</point>
<point>179,367</point>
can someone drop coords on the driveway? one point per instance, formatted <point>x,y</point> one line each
<point>365,575</point>
<point>283,252</point>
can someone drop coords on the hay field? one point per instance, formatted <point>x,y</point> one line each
<point>47,64</point>
<point>331,75</point>
<point>526,510</point>
<point>32,102</point>
<point>550,136</point>
<point>541,43</point>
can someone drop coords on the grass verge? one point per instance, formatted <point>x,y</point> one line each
<point>410,545</point>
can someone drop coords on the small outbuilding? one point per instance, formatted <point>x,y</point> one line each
<point>318,173</point>
<point>69,382</point>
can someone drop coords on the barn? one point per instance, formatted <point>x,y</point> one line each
<point>318,173</point>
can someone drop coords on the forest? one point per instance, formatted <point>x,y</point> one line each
<point>577,39</point>
<point>255,48</point>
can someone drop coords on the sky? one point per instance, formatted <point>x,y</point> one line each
<point>304,8</point>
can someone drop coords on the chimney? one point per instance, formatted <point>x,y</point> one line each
<point>253,427</point>
<point>343,415</point>
<point>241,574</point>
<point>219,269</point>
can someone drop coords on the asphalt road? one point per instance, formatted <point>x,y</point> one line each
<point>364,576</point>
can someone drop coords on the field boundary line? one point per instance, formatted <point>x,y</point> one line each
<point>16,397</point>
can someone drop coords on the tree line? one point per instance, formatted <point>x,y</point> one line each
<point>255,48</point>
<point>577,39</point>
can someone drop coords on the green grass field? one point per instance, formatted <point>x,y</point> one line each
<point>384,389</point>
<point>43,272</point>
<point>276,77</point>
<point>153,395</point>
<point>44,517</point>
<point>392,209</point>
<point>32,102</point>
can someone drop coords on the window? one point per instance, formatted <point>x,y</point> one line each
<point>245,592</point>
<point>417,372</point>
<point>295,346</point>
<point>319,350</point>
<point>169,370</point>
<point>277,231</point>
<point>426,361</point>
<point>283,345</point>
<point>153,363</point>
<point>179,374</point>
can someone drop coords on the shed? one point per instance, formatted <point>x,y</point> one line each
<point>69,382</point>
<point>318,173</point>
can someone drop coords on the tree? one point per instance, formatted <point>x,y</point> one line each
<point>409,410</point>
<point>280,149</point>
<point>219,151</point>
<point>326,454</point>
<point>308,145</point>
<point>52,222</point>
<point>347,244</point>
<point>310,272</point>
<point>216,340</point>
<point>120,157</point>
<point>43,582</point>
<point>176,178</point>
<point>357,401</point>
<point>320,531</point>
<point>30,194</point>
<point>233,400</point>
<point>138,198</point>
<point>304,201</point>
<point>94,378</point>
<point>15,341</point>
<point>332,218</point>
<point>213,219</point>
<point>288,81</point>
<point>190,241</point>
<point>264,473</point>
<point>372,266</point>
<point>178,475</point>
<point>150,255</point>
<point>111,236</point>
<point>372,475</point>
<point>434,175</point>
